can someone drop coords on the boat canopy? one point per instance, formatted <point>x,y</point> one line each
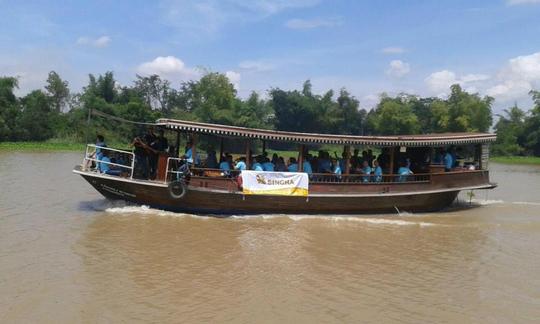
<point>313,138</point>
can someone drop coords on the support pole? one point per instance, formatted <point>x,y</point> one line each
<point>177,144</point>
<point>301,158</point>
<point>347,150</point>
<point>248,154</point>
<point>392,149</point>
<point>194,148</point>
<point>221,148</point>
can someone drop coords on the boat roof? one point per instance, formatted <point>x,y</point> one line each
<point>314,138</point>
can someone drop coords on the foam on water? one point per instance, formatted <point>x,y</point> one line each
<point>145,210</point>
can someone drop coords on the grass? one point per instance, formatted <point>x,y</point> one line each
<point>47,146</point>
<point>530,160</point>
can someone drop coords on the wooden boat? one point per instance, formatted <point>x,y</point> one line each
<point>195,189</point>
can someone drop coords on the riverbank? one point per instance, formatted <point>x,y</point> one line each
<point>529,160</point>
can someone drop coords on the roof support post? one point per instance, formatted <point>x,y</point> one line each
<point>392,150</point>
<point>301,158</point>
<point>248,154</point>
<point>347,150</point>
<point>194,148</point>
<point>220,149</point>
<point>177,154</point>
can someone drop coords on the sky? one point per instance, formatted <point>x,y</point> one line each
<point>368,47</point>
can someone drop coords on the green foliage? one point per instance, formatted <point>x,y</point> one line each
<point>468,112</point>
<point>58,90</point>
<point>395,116</point>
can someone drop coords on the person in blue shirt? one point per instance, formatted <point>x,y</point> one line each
<point>404,172</point>
<point>448,162</point>
<point>306,166</point>
<point>377,172</point>
<point>189,155</point>
<point>257,166</point>
<point>293,166</point>
<point>366,170</point>
<point>267,165</point>
<point>337,168</point>
<point>105,167</point>
<point>241,164</point>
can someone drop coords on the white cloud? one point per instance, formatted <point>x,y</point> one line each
<point>209,16</point>
<point>440,82</point>
<point>520,2</point>
<point>313,23</point>
<point>256,66</point>
<point>517,78</point>
<point>398,68</point>
<point>234,77</point>
<point>100,42</point>
<point>393,50</point>
<point>168,66</point>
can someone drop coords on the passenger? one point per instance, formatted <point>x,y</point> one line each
<point>141,158</point>
<point>241,164</point>
<point>100,141</point>
<point>306,165</point>
<point>293,166</point>
<point>439,157</point>
<point>275,159</point>
<point>211,160</point>
<point>365,157</point>
<point>267,165</point>
<point>257,166</point>
<point>337,167</point>
<point>404,172</point>
<point>280,165</point>
<point>378,171</point>
<point>370,157</point>
<point>106,167</point>
<point>448,162</point>
<point>325,164</point>
<point>366,170</point>
<point>224,165</point>
<point>188,155</point>
<point>156,145</point>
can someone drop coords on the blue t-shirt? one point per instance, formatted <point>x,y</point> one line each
<point>307,167</point>
<point>257,167</point>
<point>448,161</point>
<point>293,167</point>
<point>268,166</point>
<point>403,173</point>
<point>104,167</point>
<point>224,166</point>
<point>378,174</point>
<point>367,171</point>
<point>325,165</point>
<point>240,165</point>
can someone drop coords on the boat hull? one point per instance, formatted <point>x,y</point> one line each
<point>207,201</point>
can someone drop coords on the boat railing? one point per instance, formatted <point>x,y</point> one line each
<point>369,178</point>
<point>91,156</point>
<point>176,167</point>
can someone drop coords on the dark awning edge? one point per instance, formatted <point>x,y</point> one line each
<point>310,138</point>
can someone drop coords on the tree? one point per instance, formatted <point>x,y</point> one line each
<point>394,116</point>
<point>9,108</point>
<point>532,126</point>
<point>468,112</point>
<point>254,112</point>
<point>211,99</point>
<point>156,92</point>
<point>509,130</point>
<point>58,91</point>
<point>35,121</point>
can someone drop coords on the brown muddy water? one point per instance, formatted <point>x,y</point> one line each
<point>67,255</point>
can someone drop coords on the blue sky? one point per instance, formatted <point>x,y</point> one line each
<point>369,47</point>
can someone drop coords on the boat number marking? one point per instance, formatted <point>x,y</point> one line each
<point>117,191</point>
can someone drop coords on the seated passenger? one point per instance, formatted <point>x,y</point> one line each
<point>378,171</point>
<point>404,172</point>
<point>257,166</point>
<point>280,165</point>
<point>224,164</point>
<point>267,165</point>
<point>337,167</point>
<point>241,164</point>
<point>325,165</point>
<point>293,166</point>
<point>366,170</point>
<point>211,160</point>
<point>106,167</point>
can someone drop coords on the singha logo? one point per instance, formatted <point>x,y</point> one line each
<point>260,179</point>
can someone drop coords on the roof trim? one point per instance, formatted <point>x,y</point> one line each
<point>312,138</point>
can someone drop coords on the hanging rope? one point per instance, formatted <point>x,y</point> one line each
<point>105,115</point>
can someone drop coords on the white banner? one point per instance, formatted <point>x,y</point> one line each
<point>275,183</point>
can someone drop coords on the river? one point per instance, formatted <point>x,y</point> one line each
<point>68,255</point>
